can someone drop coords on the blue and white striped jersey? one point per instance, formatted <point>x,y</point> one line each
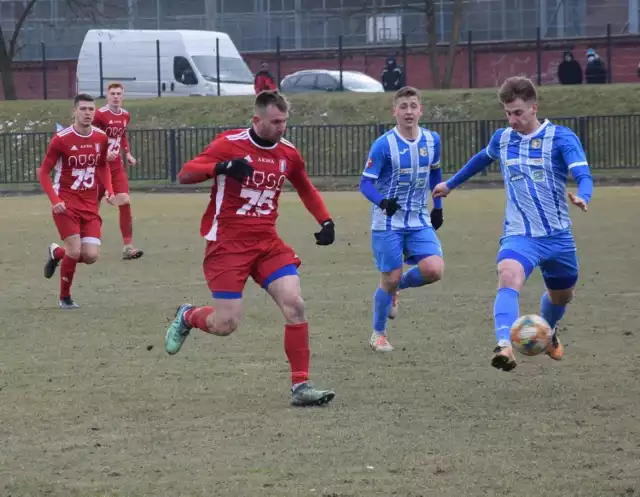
<point>535,168</point>
<point>401,169</point>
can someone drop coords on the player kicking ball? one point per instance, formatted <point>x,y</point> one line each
<point>113,119</point>
<point>403,165</point>
<point>536,159</point>
<point>249,168</point>
<point>79,156</point>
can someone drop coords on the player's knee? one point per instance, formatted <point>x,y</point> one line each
<point>510,277</point>
<point>90,257</point>
<point>73,252</point>
<point>224,326</point>
<point>432,269</point>
<point>391,280</point>
<point>123,199</point>
<point>293,309</point>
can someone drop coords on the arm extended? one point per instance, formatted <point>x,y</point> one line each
<point>476,164</point>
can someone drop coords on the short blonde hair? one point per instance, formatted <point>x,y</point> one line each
<point>406,92</point>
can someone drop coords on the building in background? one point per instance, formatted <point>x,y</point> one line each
<point>255,25</point>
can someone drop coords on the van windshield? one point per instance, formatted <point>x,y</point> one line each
<point>232,69</point>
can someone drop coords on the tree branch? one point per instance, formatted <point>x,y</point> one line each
<point>16,32</point>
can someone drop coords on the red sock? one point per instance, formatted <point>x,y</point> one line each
<point>197,317</point>
<point>67,270</point>
<point>126,224</point>
<point>58,253</point>
<point>296,346</point>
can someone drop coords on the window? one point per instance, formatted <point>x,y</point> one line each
<point>384,27</point>
<point>306,81</point>
<point>232,69</point>
<point>324,82</point>
<point>183,72</point>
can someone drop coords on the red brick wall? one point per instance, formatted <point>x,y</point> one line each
<point>492,64</point>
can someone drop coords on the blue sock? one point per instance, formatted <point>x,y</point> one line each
<point>551,312</point>
<point>381,305</point>
<point>505,313</point>
<point>412,279</point>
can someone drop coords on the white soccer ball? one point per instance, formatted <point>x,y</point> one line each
<point>531,334</point>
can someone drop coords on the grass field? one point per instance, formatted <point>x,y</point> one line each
<point>335,108</point>
<point>92,406</point>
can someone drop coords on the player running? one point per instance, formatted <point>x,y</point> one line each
<point>536,159</point>
<point>78,154</point>
<point>114,120</point>
<point>249,167</point>
<point>402,166</point>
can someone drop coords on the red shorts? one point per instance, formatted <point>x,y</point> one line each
<point>86,223</point>
<point>228,264</point>
<point>119,181</point>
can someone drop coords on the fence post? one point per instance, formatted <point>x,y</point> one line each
<point>100,67</point>
<point>158,74</point>
<point>45,92</point>
<point>470,58</point>
<point>173,157</point>
<point>340,60</point>
<point>218,64</point>
<point>278,75</point>
<point>404,57</point>
<point>539,55</point>
<point>609,54</point>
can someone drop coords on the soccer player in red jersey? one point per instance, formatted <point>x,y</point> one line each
<point>113,120</point>
<point>78,154</point>
<point>249,167</point>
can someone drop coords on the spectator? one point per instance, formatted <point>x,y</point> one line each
<point>596,71</point>
<point>264,80</point>
<point>569,70</point>
<point>392,76</point>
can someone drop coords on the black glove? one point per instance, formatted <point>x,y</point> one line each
<point>327,234</point>
<point>390,206</point>
<point>238,169</point>
<point>436,218</point>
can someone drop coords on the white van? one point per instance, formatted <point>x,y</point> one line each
<point>187,63</point>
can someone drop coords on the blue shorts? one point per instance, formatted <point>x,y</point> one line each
<point>414,244</point>
<point>555,254</point>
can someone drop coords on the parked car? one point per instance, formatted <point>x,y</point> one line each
<point>314,80</point>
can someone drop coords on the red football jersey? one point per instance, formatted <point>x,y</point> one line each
<point>115,126</point>
<point>249,210</point>
<point>77,160</point>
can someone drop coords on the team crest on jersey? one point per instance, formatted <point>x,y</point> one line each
<point>537,143</point>
<point>538,176</point>
<point>423,152</point>
<point>283,165</point>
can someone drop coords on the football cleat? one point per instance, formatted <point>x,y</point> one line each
<point>130,254</point>
<point>504,358</point>
<point>380,343</point>
<point>304,395</point>
<point>51,264</point>
<point>393,310</point>
<point>555,350</point>
<point>68,303</point>
<point>177,332</point>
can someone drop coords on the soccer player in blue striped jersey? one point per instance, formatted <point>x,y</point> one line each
<point>536,159</point>
<point>402,167</point>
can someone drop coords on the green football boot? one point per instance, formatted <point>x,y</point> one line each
<point>177,332</point>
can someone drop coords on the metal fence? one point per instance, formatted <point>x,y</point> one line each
<point>336,151</point>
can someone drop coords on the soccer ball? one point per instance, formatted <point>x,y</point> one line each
<point>531,334</point>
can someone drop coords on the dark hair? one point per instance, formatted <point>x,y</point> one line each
<point>271,97</point>
<point>517,87</point>
<point>82,97</point>
<point>407,91</point>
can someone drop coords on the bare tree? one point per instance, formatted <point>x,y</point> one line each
<point>428,8</point>
<point>10,41</point>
